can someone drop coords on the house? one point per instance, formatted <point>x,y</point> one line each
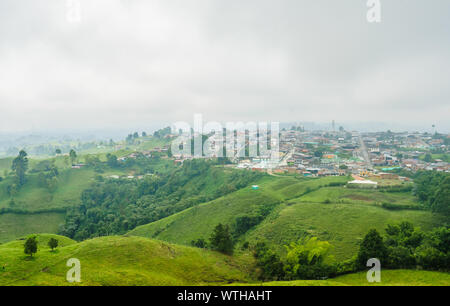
<point>363,184</point>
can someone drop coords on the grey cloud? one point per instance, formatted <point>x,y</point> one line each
<point>132,61</point>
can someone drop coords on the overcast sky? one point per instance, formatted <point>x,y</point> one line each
<point>145,62</point>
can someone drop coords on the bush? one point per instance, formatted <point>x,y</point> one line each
<point>244,223</point>
<point>308,259</point>
<point>401,258</point>
<point>199,243</point>
<point>269,263</point>
<point>372,246</point>
<point>221,239</point>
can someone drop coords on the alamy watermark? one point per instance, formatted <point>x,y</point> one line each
<point>74,11</point>
<point>374,274</point>
<point>74,273</point>
<point>232,140</point>
<point>374,12</point>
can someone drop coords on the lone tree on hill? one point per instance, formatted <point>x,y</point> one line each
<point>221,239</point>
<point>20,166</point>
<point>53,243</point>
<point>30,246</point>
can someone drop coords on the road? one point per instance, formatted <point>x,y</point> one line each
<point>364,152</point>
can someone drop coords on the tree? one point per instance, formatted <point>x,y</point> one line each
<point>441,203</point>
<point>144,134</point>
<point>53,243</point>
<point>306,259</point>
<point>221,239</point>
<point>372,246</point>
<point>58,151</point>
<point>73,156</point>
<point>270,265</point>
<point>111,160</point>
<point>428,158</point>
<point>20,166</point>
<point>30,246</point>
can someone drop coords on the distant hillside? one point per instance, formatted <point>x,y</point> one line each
<point>111,261</point>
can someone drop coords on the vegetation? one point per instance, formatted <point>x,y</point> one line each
<point>221,239</point>
<point>291,228</point>
<point>53,243</point>
<point>20,167</point>
<point>116,206</point>
<point>112,261</point>
<point>30,246</point>
<point>372,246</point>
<point>433,189</point>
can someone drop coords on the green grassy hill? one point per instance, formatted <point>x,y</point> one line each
<point>116,260</point>
<point>119,261</point>
<point>295,214</point>
<point>343,225</point>
<point>34,198</point>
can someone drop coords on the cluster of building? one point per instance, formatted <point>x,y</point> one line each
<point>325,153</point>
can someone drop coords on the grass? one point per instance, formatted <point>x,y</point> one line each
<point>111,261</point>
<point>18,225</point>
<point>343,225</point>
<point>357,196</point>
<point>136,261</point>
<point>199,221</point>
<point>388,278</point>
<point>398,278</point>
<point>33,198</point>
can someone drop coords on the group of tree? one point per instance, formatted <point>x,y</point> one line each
<point>30,246</point>
<point>402,247</point>
<point>406,247</point>
<point>433,190</point>
<point>162,132</point>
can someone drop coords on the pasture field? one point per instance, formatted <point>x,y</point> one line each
<point>116,260</point>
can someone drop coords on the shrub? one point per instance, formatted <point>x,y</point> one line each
<point>221,239</point>
<point>372,246</point>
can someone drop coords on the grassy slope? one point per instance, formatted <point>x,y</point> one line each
<point>32,197</point>
<point>35,199</point>
<point>119,261</point>
<point>140,261</point>
<point>388,278</point>
<point>198,222</point>
<point>343,225</point>
<point>16,225</point>
<point>363,196</point>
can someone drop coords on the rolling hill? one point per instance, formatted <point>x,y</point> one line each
<point>293,215</point>
<point>118,260</point>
